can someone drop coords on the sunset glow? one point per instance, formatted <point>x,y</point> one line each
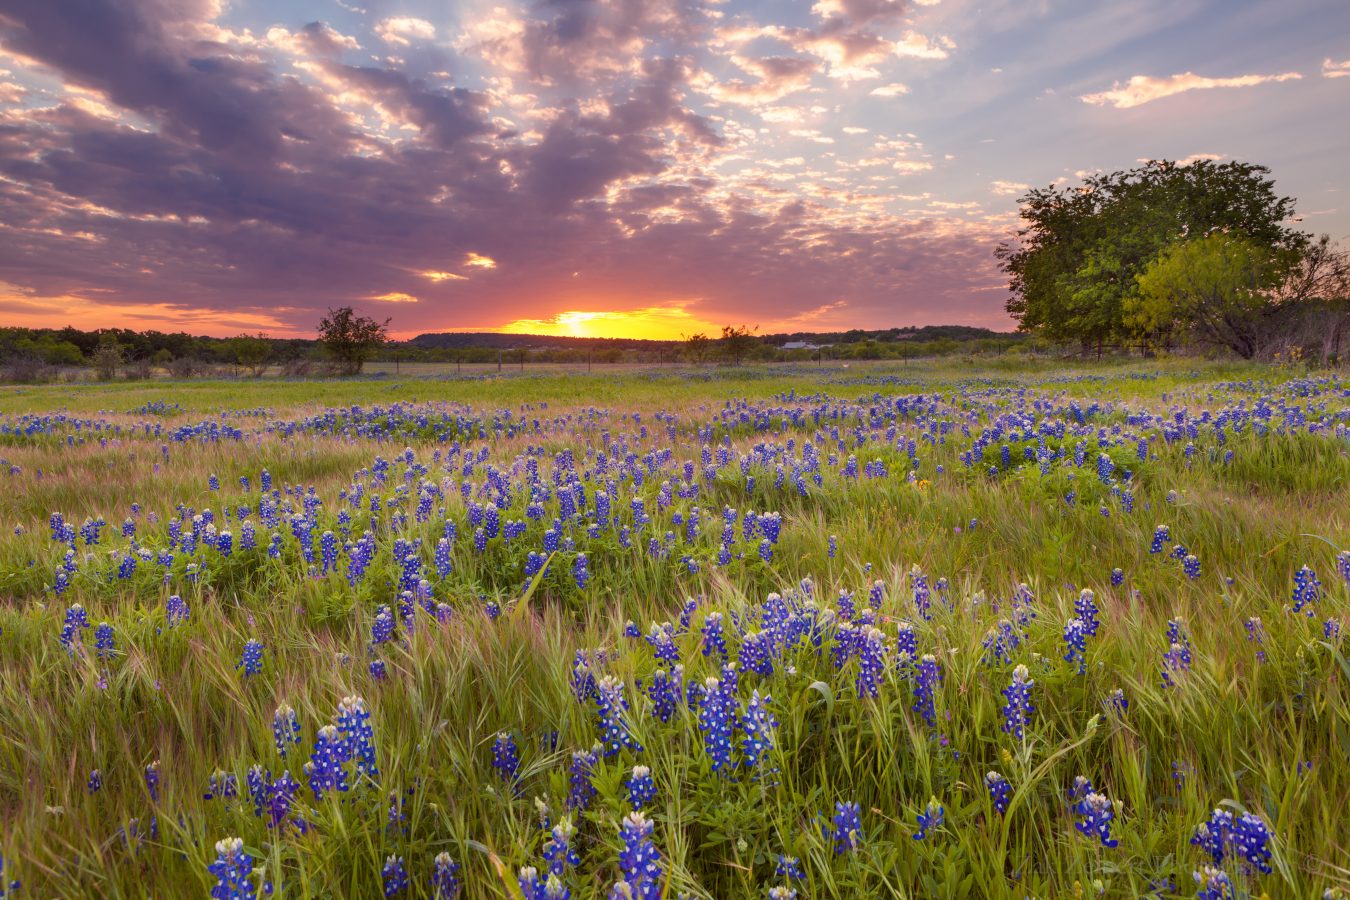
<point>653,323</point>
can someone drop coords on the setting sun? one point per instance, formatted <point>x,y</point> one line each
<point>649,323</point>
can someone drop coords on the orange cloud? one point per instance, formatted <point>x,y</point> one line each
<point>1143,89</point>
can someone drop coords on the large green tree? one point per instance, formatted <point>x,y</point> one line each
<point>1073,265</point>
<point>1215,290</point>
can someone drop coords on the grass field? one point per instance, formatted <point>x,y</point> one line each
<point>866,630</point>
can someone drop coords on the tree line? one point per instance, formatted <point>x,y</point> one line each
<point>1168,256</point>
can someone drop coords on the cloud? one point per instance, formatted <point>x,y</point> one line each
<point>1008,188</point>
<point>890,90</point>
<point>917,46</point>
<point>401,31</point>
<point>1333,69</point>
<point>1143,89</point>
<point>556,156</point>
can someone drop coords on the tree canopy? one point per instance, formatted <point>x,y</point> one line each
<point>1074,265</point>
<point>351,339</point>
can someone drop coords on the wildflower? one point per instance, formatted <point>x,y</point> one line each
<point>325,766</point>
<point>581,790</point>
<point>395,876</point>
<point>789,867</point>
<point>1116,702</point>
<point>641,788</point>
<point>223,785</point>
<point>929,819</point>
<point>1214,885</point>
<point>1178,657</point>
<point>505,758</point>
<point>782,892</point>
<point>612,708</point>
<point>1096,815</point>
<point>445,884</point>
<point>580,573</point>
<point>95,783</point>
<point>927,676</point>
<point>639,859</point>
<point>558,852</point>
<point>251,661</point>
<point>175,610</point>
<point>713,639</point>
<point>1117,577</point>
<point>716,719</point>
<point>1161,535</point>
<point>871,647</point>
<point>758,725</point>
<point>285,728</point>
<point>152,781</point>
<point>232,869</point>
<point>1000,791</point>
<point>1307,590</point>
<point>1019,706</point>
<point>1256,634</point>
<point>1085,608</point>
<point>847,834</point>
<point>76,621</point>
<point>353,720</point>
<point>103,640</point>
<point>1075,638</point>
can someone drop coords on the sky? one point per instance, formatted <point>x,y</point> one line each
<point>624,168</point>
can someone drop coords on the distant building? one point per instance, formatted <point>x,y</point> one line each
<point>801,345</point>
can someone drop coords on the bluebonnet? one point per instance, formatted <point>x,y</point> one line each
<point>1177,659</point>
<point>1075,640</point>
<point>580,787</point>
<point>713,639</point>
<point>1214,884</point>
<point>871,647</point>
<point>232,869</point>
<point>1085,608</point>
<point>757,725</point>
<point>1307,590</point>
<point>353,720</point>
<point>395,876</point>
<point>756,653</point>
<point>1245,837</point>
<point>847,827</point>
<point>641,787</point>
<point>927,676</point>
<point>662,642</point>
<point>639,860</point>
<point>1116,703</point>
<point>76,621</point>
<point>1018,707</point>
<point>1161,535</point>
<point>152,781</point>
<point>922,594</point>
<point>326,763</point>
<point>1117,577</point>
<point>580,572</point>
<point>222,785</point>
<point>103,641</point>
<point>445,883</point>
<point>558,852</point>
<point>1000,791</point>
<point>612,709</point>
<point>505,757</point>
<point>666,692</point>
<point>1095,816</point>
<point>95,782</point>
<point>251,660</point>
<point>929,819</point>
<point>716,718</point>
<point>175,610</point>
<point>1191,565</point>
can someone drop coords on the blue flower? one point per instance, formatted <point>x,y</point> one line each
<point>871,647</point>
<point>716,718</point>
<point>1018,707</point>
<point>395,876</point>
<point>1095,815</point>
<point>581,789</point>
<point>1307,590</point>
<point>325,766</point>
<point>445,884</point>
<point>612,709</point>
<point>847,832</point>
<point>639,860</point>
<point>251,661</point>
<point>505,758</point>
<point>1214,885</point>
<point>558,852</point>
<point>232,869</point>
<point>1075,639</point>
<point>641,787</point>
<point>927,676</point>
<point>757,724</point>
<point>931,818</point>
<point>1000,791</point>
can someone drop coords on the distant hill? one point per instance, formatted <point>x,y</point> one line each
<point>457,340</point>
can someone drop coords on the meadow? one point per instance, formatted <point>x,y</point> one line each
<point>947,630</point>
